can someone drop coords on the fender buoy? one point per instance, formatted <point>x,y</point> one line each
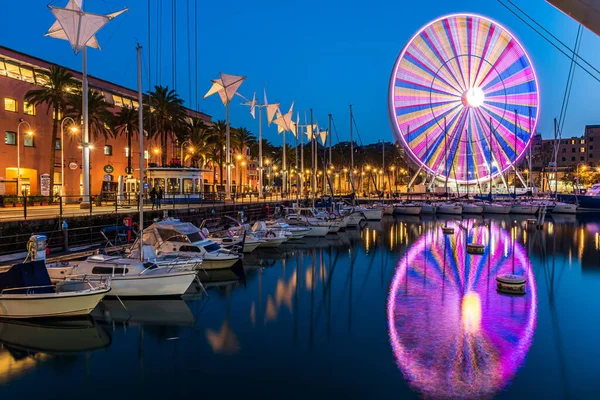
<point>270,234</point>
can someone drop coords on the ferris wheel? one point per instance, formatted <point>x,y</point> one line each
<point>463,98</point>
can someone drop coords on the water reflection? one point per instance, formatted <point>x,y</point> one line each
<point>452,334</point>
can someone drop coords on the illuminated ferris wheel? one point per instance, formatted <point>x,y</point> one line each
<point>463,98</point>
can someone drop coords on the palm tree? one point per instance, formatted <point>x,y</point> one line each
<point>168,115</point>
<point>126,122</point>
<point>243,139</point>
<point>58,81</point>
<point>99,114</point>
<point>201,137</point>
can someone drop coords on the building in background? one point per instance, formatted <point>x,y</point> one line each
<point>20,73</point>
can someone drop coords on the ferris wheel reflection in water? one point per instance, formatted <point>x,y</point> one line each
<point>452,334</point>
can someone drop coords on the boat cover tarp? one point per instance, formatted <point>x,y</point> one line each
<point>28,274</point>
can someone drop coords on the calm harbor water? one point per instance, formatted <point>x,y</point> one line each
<point>394,309</point>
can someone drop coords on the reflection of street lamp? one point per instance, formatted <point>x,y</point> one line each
<point>62,153</point>
<point>29,132</point>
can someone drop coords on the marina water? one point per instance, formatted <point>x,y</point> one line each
<point>397,308</point>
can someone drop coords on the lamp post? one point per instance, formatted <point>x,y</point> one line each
<point>29,132</point>
<point>62,154</point>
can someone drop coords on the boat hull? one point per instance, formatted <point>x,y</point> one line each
<point>318,231</point>
<point>449,210</point>
<point>472,209</point>
<point>490,209</point>
<point>373,214</point>
<point>51,305</point>
<point>524,209</point>
<point>152,285</point>
<point>407,210</point>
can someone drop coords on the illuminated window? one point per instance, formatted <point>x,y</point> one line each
<point>60,114</point>
<point>10,138</point>
<point>582,141</point>
<point>57,145</point>
<point>10,104</point>
<point>13,71</point>
<point>118,101</point>
<point>108,150</point>
<point>572,141</point>
<point>136,105</point>
<point>127,102</point>
<point>146,155</point>
<point>28,108</point>
<point>28,141</point>
<point>27,75</point>
<point>126,151</point>
<point>582,149</point>
<point>2,68</point>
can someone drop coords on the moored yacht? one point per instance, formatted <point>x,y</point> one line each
<point>407,209</point>
<point>449,208</point>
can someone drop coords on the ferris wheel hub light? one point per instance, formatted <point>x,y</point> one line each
<point>474,97</point>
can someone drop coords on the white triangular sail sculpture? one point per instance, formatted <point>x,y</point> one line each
<point>284,121</point>
<point>78,27</point>
<point>252,104</point>
<point>225,86</point>
<point>309,130</point>
<point>323,136</point>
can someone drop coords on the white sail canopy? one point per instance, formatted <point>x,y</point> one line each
<point>323,136</point>
<point>284,121</point>
<point>225,86</point>
<point>77,27</point>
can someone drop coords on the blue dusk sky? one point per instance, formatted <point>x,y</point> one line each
<point>322,55</point>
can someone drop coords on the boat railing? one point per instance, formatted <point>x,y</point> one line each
<point>58,288</point>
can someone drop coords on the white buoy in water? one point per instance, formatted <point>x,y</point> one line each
<point>447,230</point>
<point>474,248</point>
<point>510,283</point>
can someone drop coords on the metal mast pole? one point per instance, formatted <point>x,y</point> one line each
<point>260,156</point>
<point>530,146</point>
<point>329,133</point>
<point>314,173</point>
<point>141,137</point>
<point>297,186</point>
<point>302,157</point>
<point>227,155</point>
<point>86,137</point>
<point>515,159</point>
<point>446,157</point>
<point>491,158</point>
<point>351,153</point>
<point>383,165</point>
<point>283,170</point>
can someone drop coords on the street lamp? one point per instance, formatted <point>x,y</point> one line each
<point>62,154</point>
<point>578,181</point>
<point>29,132</point>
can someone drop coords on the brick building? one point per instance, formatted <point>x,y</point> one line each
<point>20,73</point>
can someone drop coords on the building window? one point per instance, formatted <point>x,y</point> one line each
<point>573,150</point>
<point>564,159</point>
<point>108,150</point>
<point>572,141</point>
<point>57,145</point>
<point>13,71</point>
<point>10,104</point>
<point>2,68</point>
<point>572,158</point>
<point>146,155</point>
<point>564,150</point>
<point>127,102</point>
<point>582,149</point>
<point>10,138</point>
<point>54,116</point>
<point>591,148</point>
<point>582,141</point>
<point>28,141</point>
<point>582,158</point>
<point>118,100</point>
<point>591,155</point>
<point>28,108</point>
<point>126,151</point>
<point>27,75</point>
<point>591,139</point>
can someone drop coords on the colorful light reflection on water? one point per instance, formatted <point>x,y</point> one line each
<point>452,334</point>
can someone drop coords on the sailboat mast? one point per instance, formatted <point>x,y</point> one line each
<point>141,137</point>
<point>467,158</point>
<point>490,160</point>
<point>313,175</point>
<point>515,158</point>
<point>446,157</point>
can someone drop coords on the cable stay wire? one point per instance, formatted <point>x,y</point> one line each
<point>567,96</point>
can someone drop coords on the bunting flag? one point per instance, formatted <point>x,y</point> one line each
<point>252,104</point>
<point>323,136</point>
<point>225,86</point>
<point>77,27</point>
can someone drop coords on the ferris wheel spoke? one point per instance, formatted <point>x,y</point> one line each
<point>444,73</point>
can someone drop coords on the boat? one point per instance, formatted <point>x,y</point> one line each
<point>269,237</point>
<point>449,209</point>
<point>472,208</point>
<point>388,209</point>
<point>295,232</point>
<point>564,208</point>
<point>128,277</point>
<point>27,292</point>
<point>524,208</point>
<point>307,217</point>
<point>496,208</point>
<point>184,239</point>
<point>372,213</point>
<point>428,209</point>
<point>407,209</point>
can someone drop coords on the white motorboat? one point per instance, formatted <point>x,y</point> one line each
<point>172,236</point>
<point>295,232</point>
<point>353,219</point>
<point>306,217</point>
<point>564,208</point>
<point>407,209</point>
<point>524,208</point>
<point>472,208</point>
<point>251,243</point>
<point>269,237</point>
<point>449,208</point>
<point>128,277</point>
<point>496,208</point>
<point>27,292</point>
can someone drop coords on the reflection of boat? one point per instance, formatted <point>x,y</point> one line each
<point>145,312</point>
<point>452,335</point>
<point>53,337</point>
